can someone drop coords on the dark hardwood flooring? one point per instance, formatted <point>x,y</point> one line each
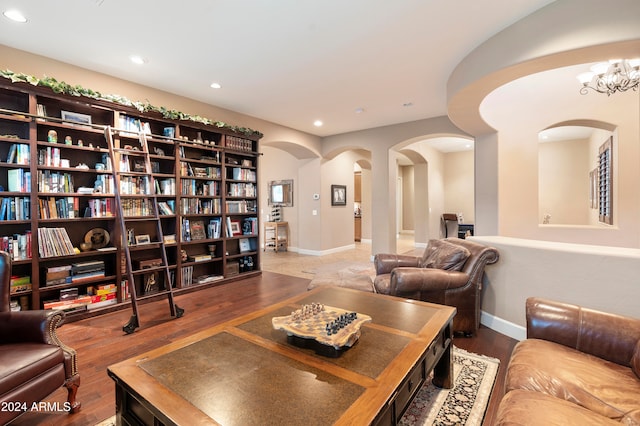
<point>100,342</point>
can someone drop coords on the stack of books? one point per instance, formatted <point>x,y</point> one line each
<point>102,295</point>
<point>87,270</point>
<point>56,275</point>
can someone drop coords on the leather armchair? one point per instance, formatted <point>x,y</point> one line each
<point>405,276</point>
<point>33,361</point>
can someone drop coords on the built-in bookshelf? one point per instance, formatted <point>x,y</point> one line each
<point>58,212</point>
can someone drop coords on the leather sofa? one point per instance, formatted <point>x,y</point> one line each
<point>450,272</point>
<point>33,361</point>
<point>577,366</point>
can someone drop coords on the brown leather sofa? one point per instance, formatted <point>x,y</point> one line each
<point>450,272</point>
<point>33,361</point>
<point>577,367</point>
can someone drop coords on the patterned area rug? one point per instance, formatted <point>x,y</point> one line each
<point>465,403</point>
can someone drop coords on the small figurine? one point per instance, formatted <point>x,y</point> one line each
<point>80,142</point>
<point>52,136</point>
<point>67,140</point>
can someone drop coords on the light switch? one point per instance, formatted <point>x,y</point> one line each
<point>314,212</point>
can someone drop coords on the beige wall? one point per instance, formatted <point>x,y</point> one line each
<point>563,181</point>
<point>459,184</point>
<point>518,149</point>
<point>286,167</point>
<point>408,205</point>
<point>597,277</point>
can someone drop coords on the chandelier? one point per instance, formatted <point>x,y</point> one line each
<point>617,75</point>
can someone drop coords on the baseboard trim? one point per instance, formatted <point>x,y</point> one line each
<point>507,328</point>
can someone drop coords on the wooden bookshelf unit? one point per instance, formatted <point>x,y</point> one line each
<point>58,212</point>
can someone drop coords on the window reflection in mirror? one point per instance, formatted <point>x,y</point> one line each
<point>568,187</point>
<point>280,193</point>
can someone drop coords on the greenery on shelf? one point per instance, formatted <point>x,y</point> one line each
<point>67,89</point>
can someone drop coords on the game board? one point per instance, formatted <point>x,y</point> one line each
<point>326,329</point>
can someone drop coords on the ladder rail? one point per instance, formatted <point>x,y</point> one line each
<point>133,322</point>
<point>175,311</point>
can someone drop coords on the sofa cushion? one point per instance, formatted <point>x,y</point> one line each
<point>441,254</point>
<point>21,362</point>
<point>601,386</point>
<point>523,407</point>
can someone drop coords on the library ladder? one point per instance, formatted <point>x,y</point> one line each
<point>141,209</point>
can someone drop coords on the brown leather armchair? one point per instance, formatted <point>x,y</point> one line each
<point>453,279</point>
<point>33,361</point>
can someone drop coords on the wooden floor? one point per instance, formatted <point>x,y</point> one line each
<point>100,341</point>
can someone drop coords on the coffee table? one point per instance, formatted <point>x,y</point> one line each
<point>244,372</point>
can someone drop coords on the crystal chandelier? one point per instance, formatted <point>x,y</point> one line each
<point>617,75</point>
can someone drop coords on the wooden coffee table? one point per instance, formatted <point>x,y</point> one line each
<point>244,372</point>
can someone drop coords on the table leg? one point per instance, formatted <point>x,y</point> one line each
<point>443,371</point>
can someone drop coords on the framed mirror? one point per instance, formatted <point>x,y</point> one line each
<point>280,193</point>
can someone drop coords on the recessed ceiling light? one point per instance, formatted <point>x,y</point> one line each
<point>359,110</point>
<point>138,60</point>
<point>317,123</point>
<point>216,85</point>
<point>15,15</point>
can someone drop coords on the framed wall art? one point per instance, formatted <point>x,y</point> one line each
<point>338,195</point>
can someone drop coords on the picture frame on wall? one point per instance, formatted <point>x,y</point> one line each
<point>75,117</point>
<point>338,195</point>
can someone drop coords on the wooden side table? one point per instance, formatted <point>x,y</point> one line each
<point>276,235</point>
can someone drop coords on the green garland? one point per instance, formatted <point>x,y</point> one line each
<point>67,89</point>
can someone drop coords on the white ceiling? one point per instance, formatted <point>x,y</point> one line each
<point>286,61</point>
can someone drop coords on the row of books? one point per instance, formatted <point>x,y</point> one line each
<point>195,229</point>
<point>242,190</point>
<point>196,187</point>
<point>100,207</point>
<point>17,245</point>
<point>137,207</point>
<point>239,206</point>
<point>54,242</point>
<point>15,208</point>
<point>209,172</point>
<point>18,180</point>
<point>239,144</point>
<point>135,185</point>
<point>238,173</point>
<point>58,208</point>
<point>49,181</point>
<point>166,207</point>
<point>132,124</point>
<point>166,186</point>
<point>19,153</point>
<point>200,206</point>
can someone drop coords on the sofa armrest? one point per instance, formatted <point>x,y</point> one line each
<point>30,326</point>
<point>607,336</point>
<point>385,262</point>
<point>408,280</point>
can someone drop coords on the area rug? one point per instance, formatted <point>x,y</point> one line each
<point>464,404</point>
<point>343,266</point>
